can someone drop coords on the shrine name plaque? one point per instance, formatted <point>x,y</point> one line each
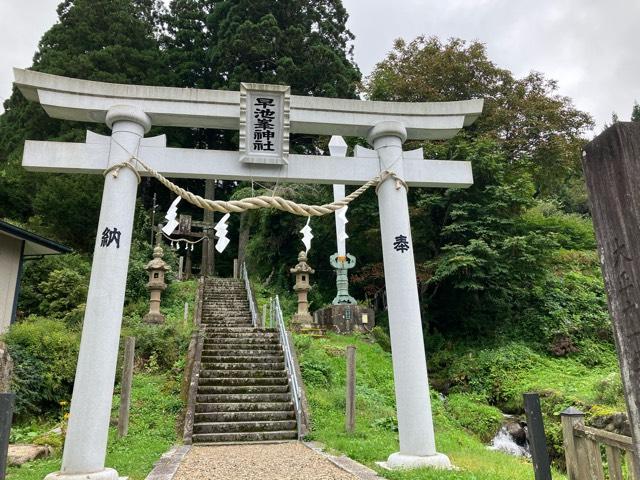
<point>264,123</point>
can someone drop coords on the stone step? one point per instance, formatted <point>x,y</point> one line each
<point>244,389</point>
<point>251,343</point>
<point>242,358</point>
<point>269,348</point>
<point>233,427</point>
<point>244,416</point>
<point>241,343</point>
<point>248,320</point>
<point>243,353</point>
<point>243,397</point>
<point>237,308</point>
<point>242,366</point>
<point>243,329</point>
<point>207,373</point>
<point>244,437</point>
<point>205,381</point>
<point>217,324</point>
<point>211,334</point>
<point>226,294</point>
<point>244,407</point>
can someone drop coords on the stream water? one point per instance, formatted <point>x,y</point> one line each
<point>504,442</point>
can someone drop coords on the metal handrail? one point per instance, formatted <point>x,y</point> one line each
<point>247,286</point>
<point>288,360</point>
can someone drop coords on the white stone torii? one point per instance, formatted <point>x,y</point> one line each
<point>130,110</point>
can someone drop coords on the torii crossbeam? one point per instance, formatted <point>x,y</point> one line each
<point>130,110</point>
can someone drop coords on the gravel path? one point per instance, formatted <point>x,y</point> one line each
<point>283,461</point>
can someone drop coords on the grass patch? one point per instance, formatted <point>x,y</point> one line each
<point>152,430</point>
<point>376,437</point>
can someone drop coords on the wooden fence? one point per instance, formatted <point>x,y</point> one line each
<point>583,451</point>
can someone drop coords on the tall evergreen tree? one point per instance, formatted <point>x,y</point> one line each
<point>635,113</point>
<point>104,40</point>
<point>221,43</point>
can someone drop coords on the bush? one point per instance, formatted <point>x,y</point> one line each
<point>45,353</point>
<point>610,390</point>
<point>166,343</point>
<point>55,286</point>
<point>316,372</point>
<point>382,338</point>
<point>472,413</point>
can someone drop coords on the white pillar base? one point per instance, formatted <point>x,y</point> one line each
<point>106,474</point>
<point>399,461</point>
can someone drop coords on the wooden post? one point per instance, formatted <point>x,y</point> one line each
<point>611,164</point>
<point>264,315</point>
<point>125,392</point>
<point>570,418</point>
<point>536,437</point>
<point>204,262</point>
<point>614,462</point>
<point>186,312</point>
<point>350,421</point>
<point>209,194</point>
<point>236,268</point>
<point>7,401</point>
<point>180,267</point>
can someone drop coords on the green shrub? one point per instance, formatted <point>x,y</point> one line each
<point>45,352</point>
<point>163,344</point>
<point>610,390</point>
<point>54,286</point>
<point>389,424</point>
<point>472,413</point>
<point>382,338</point>
<point>316,372</point>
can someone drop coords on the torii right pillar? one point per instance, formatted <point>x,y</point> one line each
<point>413,403</point>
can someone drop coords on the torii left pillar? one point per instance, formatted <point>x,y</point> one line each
<point>86,441</point>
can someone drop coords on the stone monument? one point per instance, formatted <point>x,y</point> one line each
<point>156,268</point>
<point>303,272</point>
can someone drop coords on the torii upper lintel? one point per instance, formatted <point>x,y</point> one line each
<point>89,101</point>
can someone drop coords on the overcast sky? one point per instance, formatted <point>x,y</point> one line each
<point>589,46</point>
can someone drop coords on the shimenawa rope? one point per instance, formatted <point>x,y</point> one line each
<point>262,201</point>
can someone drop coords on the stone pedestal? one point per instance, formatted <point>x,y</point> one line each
<point>344,319</point>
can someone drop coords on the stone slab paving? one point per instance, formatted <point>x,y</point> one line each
<point>281,461</point>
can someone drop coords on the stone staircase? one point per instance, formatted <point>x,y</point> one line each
<point>243,390</point>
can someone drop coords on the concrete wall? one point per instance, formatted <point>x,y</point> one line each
<point>10,254</point>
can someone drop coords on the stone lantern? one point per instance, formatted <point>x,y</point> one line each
<point>156,268</point>
<point>302,271</point>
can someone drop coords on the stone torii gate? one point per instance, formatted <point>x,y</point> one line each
<point>131,110</point>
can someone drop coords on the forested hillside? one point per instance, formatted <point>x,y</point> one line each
<point>508,272</point>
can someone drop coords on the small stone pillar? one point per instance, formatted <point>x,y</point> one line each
<point>302,272</point>
<point>342,265</point>
<point>156,268</point>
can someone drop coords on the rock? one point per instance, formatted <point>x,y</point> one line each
<point>615,422</point>
<point>6,368</point>
<point>20,453</point>
<point>518,432</point>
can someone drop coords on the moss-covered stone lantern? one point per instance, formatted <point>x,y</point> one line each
<point>302,271</point>
<point>156,268</point>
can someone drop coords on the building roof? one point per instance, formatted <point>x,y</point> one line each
<point>35,245</point>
